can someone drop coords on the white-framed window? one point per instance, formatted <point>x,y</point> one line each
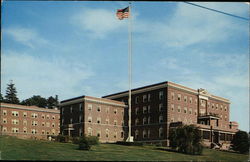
<point>48,116</point>
<point>61,109</point>
<point>33,131</point>
<point>144,109</point>
<point>24,122</point>
<point>43,131</point>
<point>43,116</point>
<point>34,123</point>
<point>208,104</point>
<point>90,106</point>
<point>172,95</point>
<point>149,97</point>
<point>149,111</point>
<point>107,109</point>
<point>136,121</point>
<point>225,108</point>
<point>149,133</point>
<point>160,107</point>
<point>4,129</point>
<point>115,122</point>
<point>53,117</point>
<point>89,131</point>
<point>190,111</point>
<point>47,124</point>
<point>15,121</point>
<point>144,121</point>
<point>172,107</point>
<point>80,132</point>
<point>15,130</point>
<point>80,107</point>
<point>212,105</point>
<point>24,114</point>
<point>137,99</point>
<point>53,125</point>
<point>144,133</point>
<point>15,113</point>
<point>172,119</point>
<point>179,109</point>
<point>136,134</point>
<point>115,111</point>
<point>216,106</point>
<point>137,110</point>
<point>71,109</point>
<point>115,134</point>
<point>185,110</point>
<point>90,119</point>
<point>122,134</point>
<point>4,120</point>
<point>34,115</point>
<point>221,107</point>
<point>190,100</point>
<point>4,112</point>
<point>80,118</point>
<point>179,97</point>
<point>107,121</point>
<point>62,121</point>
<point>144,97</point>
<point>98,134</point>
<point>98,121</point>
<point>71,120</point>
<point>185,98</point>
<point>160,132</point>
<point>160,95</point>
<point>160,119</point>
<point>98,108</point>
<point>107,133</point>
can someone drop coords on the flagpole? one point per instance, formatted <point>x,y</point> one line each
<point>130,138</point>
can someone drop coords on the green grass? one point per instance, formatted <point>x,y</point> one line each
<point>16,149</point>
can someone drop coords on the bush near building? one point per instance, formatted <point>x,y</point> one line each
<point>241,142</point>
<point>186,139</point>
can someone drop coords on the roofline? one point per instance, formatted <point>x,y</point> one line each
<point>72,99</point>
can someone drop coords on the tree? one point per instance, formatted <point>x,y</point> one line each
<point>240,142</point>
<point>1,98</point>
<point>186,139</point>
<point>35,100</point>
<point>11,94</point>
<point>52,102</point>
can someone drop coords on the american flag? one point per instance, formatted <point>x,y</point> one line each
<point>122,13</point>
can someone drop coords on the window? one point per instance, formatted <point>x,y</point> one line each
<point>148,133</point>
<point>225,108</point>
<point>144,133</point>
<point>216,106</point>
<point>160,95</point>
<point>62,121</point>
<point>33,131</point>
<point>137,110</point>
<point>15,130</point>
<point>25,122</point>
<point>53,117</point>
<point>137,121</point>
<point>98,133</point>
<point>80,107</point>
<point>107,121</point>
<point>122,134</point>
<point>160,132</point>
<point>53,125</point>
<point>99,108</point>
<point>221,107</point>
<point>14,113</point>
<point>89,131</point>
<point>160,119</point>
<point>144,98</point>
<point>172,95</point>
<point>208,104</point>
<point>24,114</point>
<point>115,134</point>
<point>107,109</point>
<point>136,134</point>
<point>89,119</point>
<point>172,107</point>
<point>4,112</point>
<point>149,97</point>
<point>179,97</point>
<point>115,111</point>
<point>149,120</point>
<point>43,116</point>
<point>80,118</point>
<point>47,124</point>
<point>15,121</point>
<point>144,109</point>
<point>99,120</point>
<point>107,133</point>
<point>115,122</point>
<point>179,109</point>
<point>4,129</point>
<point>160,107</point>
<point>172,119</point>
<point>89,106</point>
<point>62,111</point>
<point>80,132</point>
<point>137,99</point>
<point>4,120</point>
<point>43,124</point>
<point>190,100</point>
<point>185,110</point>
<point>148,108</point>
<point>185,98</point>
<point>71,109</point>
<point>190,111</point>
<point>47,116</point>
<point>144,120</point>
<point>71,120</point>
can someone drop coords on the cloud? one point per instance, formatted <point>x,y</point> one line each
<point>98,23</point>
<point>25,36</point>
<point>45,77</point>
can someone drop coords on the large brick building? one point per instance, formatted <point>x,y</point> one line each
<point>94,116</point>
<point>28,121</point>
<point>158,107</point>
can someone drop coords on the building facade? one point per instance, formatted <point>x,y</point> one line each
<point>28,121</point>
<point>156,108</point>
<point>93,116</point>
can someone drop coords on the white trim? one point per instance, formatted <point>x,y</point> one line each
<point>95,124</point>
<point>30,109</point>
<point>203,97</point>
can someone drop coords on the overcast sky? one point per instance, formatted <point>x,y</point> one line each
<point>80,48</point>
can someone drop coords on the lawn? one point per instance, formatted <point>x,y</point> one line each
<point>17,149</point>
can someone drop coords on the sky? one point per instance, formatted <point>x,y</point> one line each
<point>74,48</point>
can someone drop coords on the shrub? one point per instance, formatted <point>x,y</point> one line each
<point>240,142</point>
<point>75,140</point>
<point>129,143</point>
<point>186,139</point>
<point>93,140</point>
<point>61,138</point>
<point>84,144</point>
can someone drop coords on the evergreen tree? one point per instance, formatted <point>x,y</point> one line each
<point>11,94</point>
<point>1,98</point>
<point>52,102</point>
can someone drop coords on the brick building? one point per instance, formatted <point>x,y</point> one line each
<point>158,107</point>
<point>94,116</point>
<point>28,121</point>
